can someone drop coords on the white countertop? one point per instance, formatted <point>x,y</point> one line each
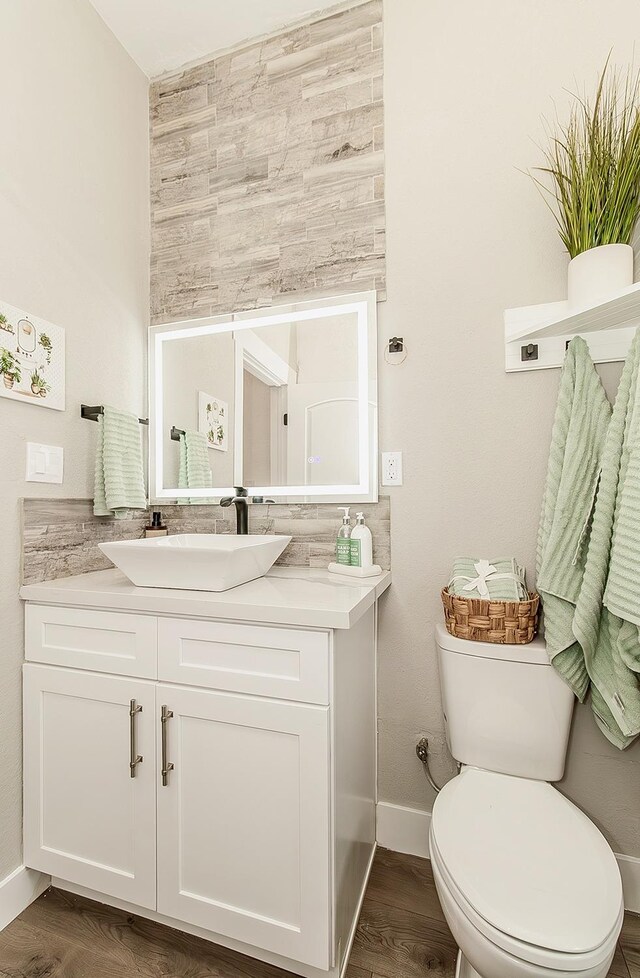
<point>286,596</point>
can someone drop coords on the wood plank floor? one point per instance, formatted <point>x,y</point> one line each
<point>402,934</point>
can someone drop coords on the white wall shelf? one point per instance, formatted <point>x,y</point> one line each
<point>608,329</point>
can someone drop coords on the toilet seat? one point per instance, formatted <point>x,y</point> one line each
<point>528,869</point>
<point>541,957</point>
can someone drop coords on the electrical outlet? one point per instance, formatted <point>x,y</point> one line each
<point>392,468</point>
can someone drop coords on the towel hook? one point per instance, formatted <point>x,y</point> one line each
<point>529,352</point>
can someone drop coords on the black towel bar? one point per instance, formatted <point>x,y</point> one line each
<point>92,413</point>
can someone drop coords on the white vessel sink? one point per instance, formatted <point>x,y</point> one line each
<point>196,561</point>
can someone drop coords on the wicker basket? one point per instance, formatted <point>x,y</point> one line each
<point>501,622</point>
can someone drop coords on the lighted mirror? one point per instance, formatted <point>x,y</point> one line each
<point>282,401</point>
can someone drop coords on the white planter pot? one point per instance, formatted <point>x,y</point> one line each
<point>598,274</point>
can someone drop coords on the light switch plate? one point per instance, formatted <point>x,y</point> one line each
<point>45,463</point>
<point>392,468</point>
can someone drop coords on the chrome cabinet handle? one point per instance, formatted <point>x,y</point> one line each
<point>134,757</point>
<point>167,766</point>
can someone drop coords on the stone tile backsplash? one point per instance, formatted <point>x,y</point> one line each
<point>61,536</point>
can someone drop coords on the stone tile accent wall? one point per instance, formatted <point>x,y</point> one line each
<point>267,173</point>
<point>61,536</point>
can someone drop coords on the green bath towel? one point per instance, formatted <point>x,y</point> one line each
<point>577,444</point>
<point>195,470</point>
<point>119,473</point>
<point>607,618</point>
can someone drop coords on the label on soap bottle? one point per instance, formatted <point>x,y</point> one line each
<point>356,559</point>
<point>343,550</point>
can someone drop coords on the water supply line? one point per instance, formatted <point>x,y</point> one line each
<point>422,750</point>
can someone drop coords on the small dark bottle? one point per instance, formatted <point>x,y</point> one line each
<point>156,527</point>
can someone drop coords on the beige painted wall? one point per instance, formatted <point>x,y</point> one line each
<point>466,85</point>
<point>73,249</point>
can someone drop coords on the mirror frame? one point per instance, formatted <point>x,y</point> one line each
<point>364,305</point>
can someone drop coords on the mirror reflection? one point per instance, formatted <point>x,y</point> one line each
<point>275,406</point>
<point>198,395</point>
<point>300,403</point>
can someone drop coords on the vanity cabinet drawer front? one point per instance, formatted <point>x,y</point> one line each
<point>100,641</point>
<point>283,663</point>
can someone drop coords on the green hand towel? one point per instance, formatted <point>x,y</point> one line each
<point>501,579</point>
<point>577,444</point>
<point>119,472</point>
<point>607,616</point>
<point>195,470</point>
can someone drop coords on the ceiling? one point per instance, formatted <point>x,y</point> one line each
<point>161,35</point>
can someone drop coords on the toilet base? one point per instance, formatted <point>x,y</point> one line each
<point>464,969</point>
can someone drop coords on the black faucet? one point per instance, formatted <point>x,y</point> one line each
<point>241,502</point>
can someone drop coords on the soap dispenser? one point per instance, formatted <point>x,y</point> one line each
<point>156,528</point>
<point>343,543</point>
<point>361,544</point>
<point>354,550</point>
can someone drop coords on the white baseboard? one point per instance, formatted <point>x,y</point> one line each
<point>407,830</point>
<point>630,871</point>
<point>403,829</point>
<point>18,890</point>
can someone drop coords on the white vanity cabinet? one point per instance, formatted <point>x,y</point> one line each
<point>223,784</point>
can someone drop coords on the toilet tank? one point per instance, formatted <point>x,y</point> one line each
<point>505,707</point>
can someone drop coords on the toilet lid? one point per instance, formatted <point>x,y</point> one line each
<point>527,860</point>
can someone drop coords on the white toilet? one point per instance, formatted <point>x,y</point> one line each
<point>529,886</point>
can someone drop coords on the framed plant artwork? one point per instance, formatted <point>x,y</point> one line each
<point>32,361</point>
<point>213,420</point>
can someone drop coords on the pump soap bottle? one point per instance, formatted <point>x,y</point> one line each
<point>156,528</point>
<point>361,544</point>
<point>354,551</point>
<point>343,543</point>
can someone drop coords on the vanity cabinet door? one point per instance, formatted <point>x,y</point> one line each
<point>86,819</point>
<point>243,820</point>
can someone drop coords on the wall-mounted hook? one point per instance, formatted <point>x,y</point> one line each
<point>529,352</point>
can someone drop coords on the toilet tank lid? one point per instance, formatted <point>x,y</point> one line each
<point>534,652</point>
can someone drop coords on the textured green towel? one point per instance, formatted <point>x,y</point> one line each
<point>608,610</point>
<point>194,471</point>
<point>119,475</point>
<point>577,444</point>
<point>501,579</point>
